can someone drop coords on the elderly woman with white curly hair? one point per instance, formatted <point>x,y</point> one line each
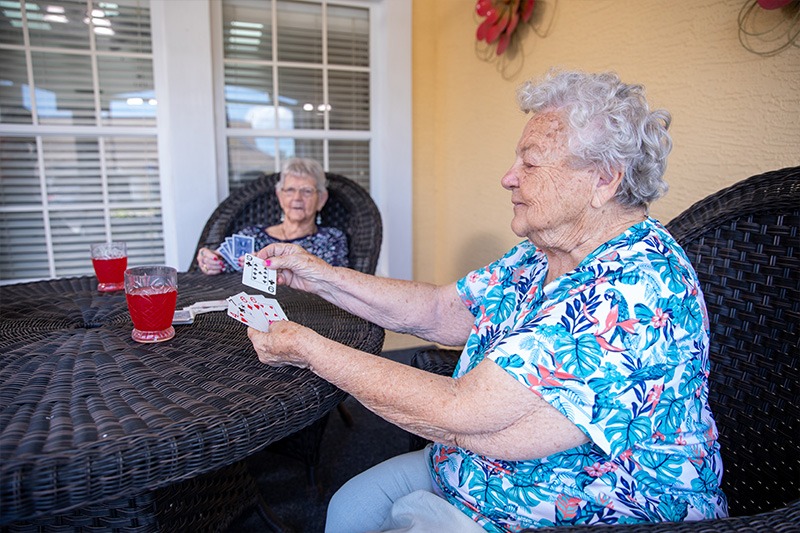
<point>581,395</point>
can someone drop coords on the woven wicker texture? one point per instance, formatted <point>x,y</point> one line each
<point>744,244</point>
<point>89,416</point>
<point>349,208</point>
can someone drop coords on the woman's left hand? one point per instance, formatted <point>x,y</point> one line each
<point>285,344</point>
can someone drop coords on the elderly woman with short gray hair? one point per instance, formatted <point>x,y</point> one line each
<point>302,193</point>
<point>581,395</point>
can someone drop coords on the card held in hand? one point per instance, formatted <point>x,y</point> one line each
<point>257,275</point>
<point>255,311</point>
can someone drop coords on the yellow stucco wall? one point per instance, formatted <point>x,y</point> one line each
<point>735,113</point>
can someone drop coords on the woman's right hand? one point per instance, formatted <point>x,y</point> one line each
<point>209,261</point>
<point>296,267</point>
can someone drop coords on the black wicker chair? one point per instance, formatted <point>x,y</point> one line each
<point>349,208</point>
<point>744,242</point>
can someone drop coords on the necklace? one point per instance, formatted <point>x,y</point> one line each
<point>285,237</point>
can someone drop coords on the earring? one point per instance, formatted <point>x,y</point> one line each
<point>319,218</point>
<point>283,216</point>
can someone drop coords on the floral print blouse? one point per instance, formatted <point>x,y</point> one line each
<point>620,347</point>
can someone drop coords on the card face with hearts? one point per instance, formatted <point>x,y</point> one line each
<point>255,310</point>
<point>258,276</point>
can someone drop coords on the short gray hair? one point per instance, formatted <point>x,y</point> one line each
<point>303,166</point>
<point>610,126</point>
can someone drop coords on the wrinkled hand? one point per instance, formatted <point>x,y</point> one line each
<point>283,345</point>
<point>296,267</point>
<point>209,261</point>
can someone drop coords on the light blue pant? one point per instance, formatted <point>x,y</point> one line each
<point>395,495</point>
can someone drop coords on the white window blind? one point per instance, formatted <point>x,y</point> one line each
<point>78,151</point>
<point>296,79</point>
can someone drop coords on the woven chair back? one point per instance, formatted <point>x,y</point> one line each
<point>349,208</point>
<point>743,241</point>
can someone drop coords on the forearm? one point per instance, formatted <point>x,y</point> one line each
<point>430,312</point>
<point>512,424</point>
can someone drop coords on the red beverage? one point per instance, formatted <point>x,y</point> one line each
<point>152,308</point>
<point>111,270</point>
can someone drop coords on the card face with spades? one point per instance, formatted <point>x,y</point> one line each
<point>257,275</point>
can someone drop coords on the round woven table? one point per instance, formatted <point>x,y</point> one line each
<point>88,416</point>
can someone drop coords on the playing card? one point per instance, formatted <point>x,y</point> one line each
<point>258,276</point>
<point>242,244</point>
<point>255,310</point>
<point>227,254</point>
<point>182,316</point>
<point>207,306</point>
<point>238,310</point>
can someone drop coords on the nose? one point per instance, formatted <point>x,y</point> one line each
<point>509,179</point>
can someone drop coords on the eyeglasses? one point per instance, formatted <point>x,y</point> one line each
<point>304,192</point>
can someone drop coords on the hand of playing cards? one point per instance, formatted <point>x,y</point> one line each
<point>235,247</point>
<point>255,310</point>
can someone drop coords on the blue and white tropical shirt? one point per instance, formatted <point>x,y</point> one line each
<point>620,347</point>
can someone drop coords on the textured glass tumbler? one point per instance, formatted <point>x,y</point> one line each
<point>110,259</point>
<point>151,292</point>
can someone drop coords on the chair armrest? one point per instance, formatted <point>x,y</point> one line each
<point>440,361</point>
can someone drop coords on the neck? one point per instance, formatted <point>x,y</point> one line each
<point>565,252</point>
<point>294,230</point>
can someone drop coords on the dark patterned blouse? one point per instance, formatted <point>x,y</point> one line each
<point>328,243</point>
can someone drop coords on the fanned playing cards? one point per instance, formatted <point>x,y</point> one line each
<point>255,310</point>
<point>235,247</point>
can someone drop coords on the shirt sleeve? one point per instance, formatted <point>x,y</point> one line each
<point>604,354</point>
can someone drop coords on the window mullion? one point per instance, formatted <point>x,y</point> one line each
<point>98,108</point>
<point>326,117</point>
<point>48,236</point>
<point>275,102</point>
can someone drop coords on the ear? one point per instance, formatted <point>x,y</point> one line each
<point>606,187</point>
<point>322,197</point>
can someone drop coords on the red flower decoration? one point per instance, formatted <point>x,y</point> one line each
<point>502,18</point>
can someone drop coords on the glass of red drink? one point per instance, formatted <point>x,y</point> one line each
<point>151,292</point>
<point>110,259</point>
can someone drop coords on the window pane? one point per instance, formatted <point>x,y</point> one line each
<point>308,148</point>
<point>122,26</point>
<point>349,100</point>
<point>348,36</point>
<point>19,171</point>
<point>64,92</point>
<point>247,97</point>
<point>14,94</point>
<point>127,96</point>
<point>23,254</point>
<point>300,93</point>
<point>299,31</point>
<point>143,231</point>
<point>72,170</point>
<point>248,156</point>
<point>247,29</point>
<point>132,167</point>
<point>63,26</point>
<point>11,23</point>
<point>73,232</point>
<point>351,159</point>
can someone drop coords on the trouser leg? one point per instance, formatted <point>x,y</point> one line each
<point>363,503</point>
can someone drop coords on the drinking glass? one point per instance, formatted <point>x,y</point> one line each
<point>151,292</point>
<point>110,259</point>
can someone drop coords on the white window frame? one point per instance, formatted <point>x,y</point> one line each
<point>192,183</point>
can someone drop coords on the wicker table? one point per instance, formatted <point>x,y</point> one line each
<point>90,419</point>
